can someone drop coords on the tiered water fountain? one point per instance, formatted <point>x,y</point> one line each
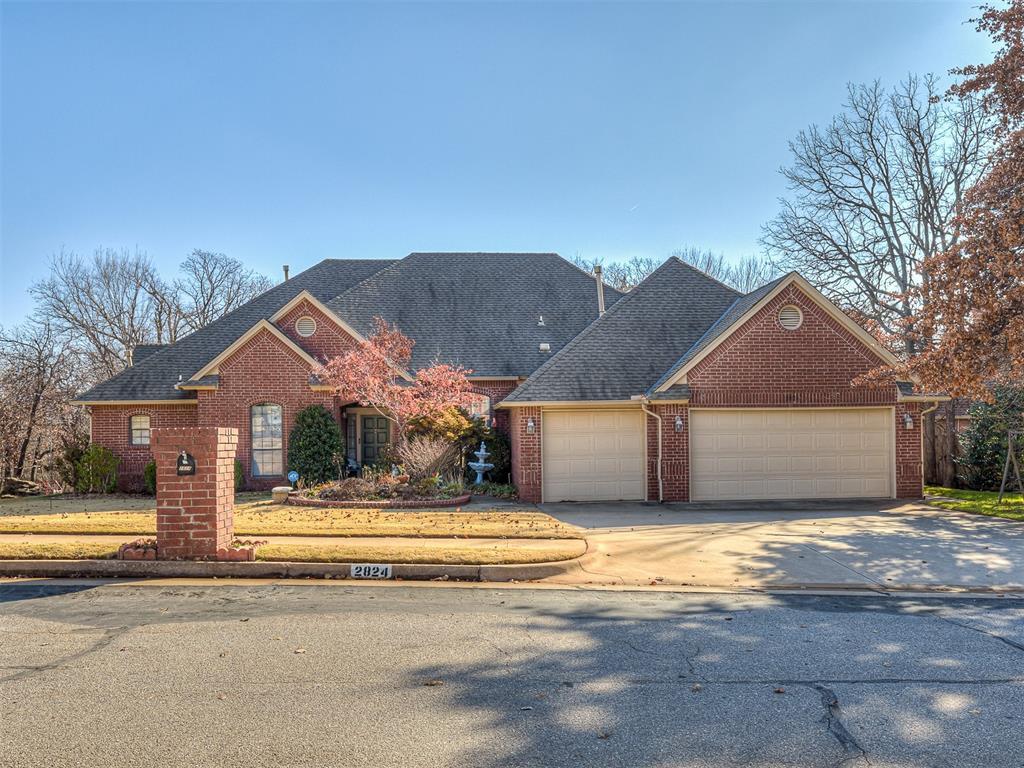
<point>480,465</point>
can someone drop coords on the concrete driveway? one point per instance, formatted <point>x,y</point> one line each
<point>790,544</point>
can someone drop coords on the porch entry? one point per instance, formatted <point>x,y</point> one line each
<point>367,436</point>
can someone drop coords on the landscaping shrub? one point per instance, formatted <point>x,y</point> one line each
<point>149,478</point>
<point>451,424</point>
<point>983,443</point>
<point>497,490</point>
<point>427,457</point>
<point>312,445</point>
<point>67,464</point>
<point>96,471</point>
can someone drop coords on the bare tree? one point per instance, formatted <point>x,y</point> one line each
<point>875,192</point>
<point>39,374</point>
<point>744,275</point>
<point>102,303</point>
<point>213,285</point>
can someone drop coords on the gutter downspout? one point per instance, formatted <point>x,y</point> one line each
<point>644,402</point>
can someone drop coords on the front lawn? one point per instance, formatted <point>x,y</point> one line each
<point>977,502</point>
<point>256,515</point>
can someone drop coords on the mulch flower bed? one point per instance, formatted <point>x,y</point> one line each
<point>383,492</point>
<point>296,499</point>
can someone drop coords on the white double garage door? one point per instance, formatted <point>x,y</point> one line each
<point>806,453</point>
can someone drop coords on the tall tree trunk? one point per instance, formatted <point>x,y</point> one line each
<point>949,478</point>
<point>19,468</point>
<point>931,471</point>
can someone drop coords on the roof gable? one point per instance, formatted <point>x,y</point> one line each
<point>747,307</point>
<point>155,377</point>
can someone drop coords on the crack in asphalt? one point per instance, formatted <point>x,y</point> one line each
<point>1005,640</point>
<point>832,720</point>
<point>109,635</point>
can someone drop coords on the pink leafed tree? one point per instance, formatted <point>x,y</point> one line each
<point>376,374</point>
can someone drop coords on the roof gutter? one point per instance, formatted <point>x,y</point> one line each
<point>644,402</point>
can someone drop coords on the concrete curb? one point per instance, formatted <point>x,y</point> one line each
<point>274,570</point>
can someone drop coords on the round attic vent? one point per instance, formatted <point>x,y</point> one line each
<point>790,317</point>
<point>305,326</point>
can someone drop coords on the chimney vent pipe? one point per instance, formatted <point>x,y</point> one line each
<point>286,273</point>
<point>600,290</point>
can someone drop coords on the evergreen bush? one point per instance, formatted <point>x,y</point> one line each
<point>983,443</point>
<point>96,471</point>
<point>312,445</point>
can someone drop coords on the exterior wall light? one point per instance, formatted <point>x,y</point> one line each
<point>908,421</point>
<point>679,423</point>
<point>531,427</point>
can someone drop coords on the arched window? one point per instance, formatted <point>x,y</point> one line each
<point>138,430</point>
<point>267,440</point>
<point>480,408</point>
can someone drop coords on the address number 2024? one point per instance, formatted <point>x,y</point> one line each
<point>371,571</point>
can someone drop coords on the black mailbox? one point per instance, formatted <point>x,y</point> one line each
<point>186,464</point>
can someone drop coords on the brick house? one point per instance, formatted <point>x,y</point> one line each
<point>682,389</point>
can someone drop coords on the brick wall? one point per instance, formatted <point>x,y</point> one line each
<point>194,513</point>
<point>763,364</point>
<point>526,465</point>
<point>909,462</point>
<point>263,370</point>
<point>109,427</point>
<point>497,391</point>
<point>329,340</point>
<point>675,453</point>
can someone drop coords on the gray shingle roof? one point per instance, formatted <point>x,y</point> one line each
<point>734,312</point>
<point>636,341</point>
<point>154,376</point>
<point>479,310</point>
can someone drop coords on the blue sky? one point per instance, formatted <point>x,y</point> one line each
<point>292,132</point>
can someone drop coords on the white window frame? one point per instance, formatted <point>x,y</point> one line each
<point>143,432</point>
<point>263,445</point>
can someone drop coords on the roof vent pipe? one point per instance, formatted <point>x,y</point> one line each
<point>600,290</point>
<point>286,273</point>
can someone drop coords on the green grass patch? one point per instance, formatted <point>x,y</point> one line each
<point>978,502</point>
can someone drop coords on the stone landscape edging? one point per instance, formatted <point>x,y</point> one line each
<point>457,501</point>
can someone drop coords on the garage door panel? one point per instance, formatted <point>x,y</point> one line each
<point>797,453</point>
<point>593,455</point>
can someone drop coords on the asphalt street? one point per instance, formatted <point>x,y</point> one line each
<point>344,675</point>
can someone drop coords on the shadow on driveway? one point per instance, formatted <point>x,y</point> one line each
<point>881,544</point>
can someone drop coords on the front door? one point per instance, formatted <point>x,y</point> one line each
<point>376,435</point>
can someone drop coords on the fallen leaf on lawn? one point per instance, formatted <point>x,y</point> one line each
<point>697,688</point>
<point>300,650</point>
<point>434,682</point>
<point>780,690</point>
<point>222,696</point>
<point>526,709</point>
<point>604,734</point>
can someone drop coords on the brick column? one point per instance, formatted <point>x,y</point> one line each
<point>909,464</point>
<point>194,513</point>
<point>526,458</point>
<point>675,449</point>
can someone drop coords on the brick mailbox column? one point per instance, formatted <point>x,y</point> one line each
<point>194,512</point>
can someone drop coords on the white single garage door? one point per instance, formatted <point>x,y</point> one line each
<point>592,455</point>
<point>791,454</point>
